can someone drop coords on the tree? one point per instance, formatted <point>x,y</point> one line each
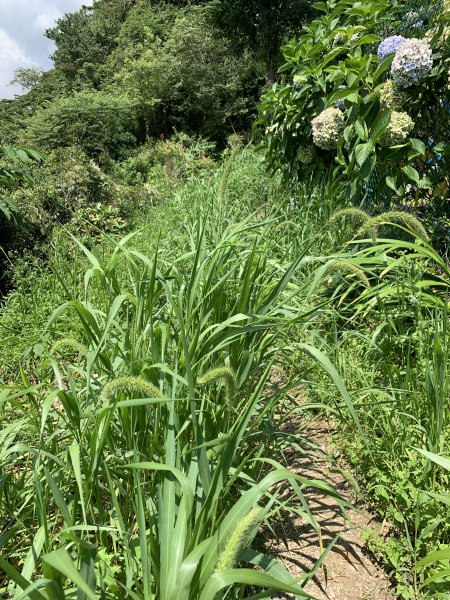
<point>11,177</point>
<point>187,77</point>
<point>97,122</point>
<point>261,25</point>
<point>27,77</point>
<point>85,39</point>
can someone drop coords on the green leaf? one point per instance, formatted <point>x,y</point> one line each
<point>361,130</point>
<point>61,561</point>
<point>74,451</point>
<point>379,126</point>
<point>363,151</point>
<point>369,38</point>
<point>15,576</point>
<point>412,173</point>
<point>436,458</point>
<point>325,362</point>
<point>88,553</point>
<point>418,145</point>
<point>323,6</point>
<point>225,579</point>
<point>382,68</point>
<point>339,94</point>
<point>433,557</point>
<point>391,181</point>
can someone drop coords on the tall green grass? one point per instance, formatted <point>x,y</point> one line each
<point>389,340</point>
<point>141,449</point>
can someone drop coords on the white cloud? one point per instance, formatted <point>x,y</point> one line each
<point>10,51</point>
<point>44,20</point>
<point>22,41</point>
<point>12,56</point>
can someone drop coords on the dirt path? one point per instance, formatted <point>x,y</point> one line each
<point>349,572</point>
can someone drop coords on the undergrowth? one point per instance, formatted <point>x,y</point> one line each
<point>142,441</point>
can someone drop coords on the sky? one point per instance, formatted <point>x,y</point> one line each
<point>22,41</point>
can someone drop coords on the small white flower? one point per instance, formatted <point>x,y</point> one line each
<point>338,39</point>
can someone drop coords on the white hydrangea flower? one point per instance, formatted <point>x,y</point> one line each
<point>327,128</point>
<point>412,62</point>
<point>306,155</point>
<point>391,98</point>
<point>398,130</point>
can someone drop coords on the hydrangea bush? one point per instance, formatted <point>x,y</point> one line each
<point>373,107</point>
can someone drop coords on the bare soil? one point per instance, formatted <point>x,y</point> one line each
<point>349,572</point>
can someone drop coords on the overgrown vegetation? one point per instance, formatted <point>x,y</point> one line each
<point>169,295</point>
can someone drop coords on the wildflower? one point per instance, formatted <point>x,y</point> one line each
<point>327,128</point>
<point>412,62</point>
<point>398,129</point>
<point>391,98</point>
<point>390,45</point>
<point>306,154</point>
<point>300,79</point>
<point>338,39</point>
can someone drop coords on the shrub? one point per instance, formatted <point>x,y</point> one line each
<point>166,160</point>
<point>97,122</point>
<point>336,64</point>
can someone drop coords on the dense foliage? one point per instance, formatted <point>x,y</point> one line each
<point>373,113</point>
<point>128,74</point>
<point>176,313</point>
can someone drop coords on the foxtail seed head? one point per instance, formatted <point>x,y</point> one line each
<point>130,385</point>
<point>342,265</point>
<point>68,343</point>
<point>355,214</point>
<point>225,373</point>
<point>241,536</point>
<point>396,216</point>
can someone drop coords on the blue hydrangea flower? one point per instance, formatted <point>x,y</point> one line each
<point>390,45</point>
